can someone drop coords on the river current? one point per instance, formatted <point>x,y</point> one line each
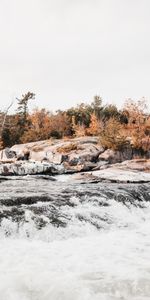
<point>63,240</point>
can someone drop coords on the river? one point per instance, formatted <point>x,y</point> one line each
<point>63,240</point>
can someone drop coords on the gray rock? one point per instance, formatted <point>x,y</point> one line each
<point>7,154</point>
<point>29,168</point>
<point>102,164</point>
<point>75,151</point>
<point>113,157</point>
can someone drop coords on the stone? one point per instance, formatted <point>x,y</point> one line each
<point>29,168</point>
<point>7,154</point>
<point>74,151</point>
<point>113,157</point>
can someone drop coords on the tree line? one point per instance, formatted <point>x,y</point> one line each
<point>115,127</point>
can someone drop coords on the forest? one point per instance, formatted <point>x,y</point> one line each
<point>115,127</point>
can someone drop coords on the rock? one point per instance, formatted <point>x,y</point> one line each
<point>7,154</point>
<point>87,140</point>
<point>49,156</point>
<point>101,165</point>
<point>135,165</point>
<point>56,159</point>
<point>87,166</point>
<point>125,176</point>
<point>112,175</point>
<point>84,153</point>
<point>113,157</point>
<point>107,155</point>
<point>37,156</point>
<point>29,168</point>
<point>67,156</point>
<point>74,151</point>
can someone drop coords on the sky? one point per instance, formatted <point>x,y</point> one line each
<point>67,51</point>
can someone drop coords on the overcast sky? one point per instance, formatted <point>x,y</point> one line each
<point>66,51</point>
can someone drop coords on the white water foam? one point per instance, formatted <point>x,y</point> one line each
<point>78,262</point>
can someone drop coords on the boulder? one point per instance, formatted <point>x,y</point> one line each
<point>114,174</point>
<point>111,175</point>
<point>135,165</point>
<point>29,168</point>
<point>102,164</point>
<point>86,166</point>
<point>75,152</point>
<point>7,154</point>
<point>113,157</point>
<point>84,153</point>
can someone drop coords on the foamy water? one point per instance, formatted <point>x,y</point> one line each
<point>102,252</point>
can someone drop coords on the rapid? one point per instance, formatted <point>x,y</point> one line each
<point>63,240</point>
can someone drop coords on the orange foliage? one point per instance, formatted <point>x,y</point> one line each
<point>95,126</point>
<point>138,123</point>
<point>43,125</point>
<point>79,130</point>
<point>39,127</point>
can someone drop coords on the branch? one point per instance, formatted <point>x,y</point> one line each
<point>5,114</point>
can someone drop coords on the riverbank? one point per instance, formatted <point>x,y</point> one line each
<point>82,155</point>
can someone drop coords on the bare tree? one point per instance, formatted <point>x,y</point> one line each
<point>5,113</point>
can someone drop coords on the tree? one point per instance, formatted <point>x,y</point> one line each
<point>137,127</point>
<point>38,126</point>
<point>60,125</point>
<point>43,125</point>
<point>135,111</point>
<point>109,111</point>
<point>95,126</point>
<point>22,109</point>
<point>77,129</point>
<point>112,135</point>
<point>5,116</point>
<point>97,106</point>
<point>81,114</point>
<point>21,118</point>
<point>4,127</point>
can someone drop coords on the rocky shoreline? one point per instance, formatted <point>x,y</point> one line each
<point>84,156</point>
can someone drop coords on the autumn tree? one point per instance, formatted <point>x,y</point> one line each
<point>60,125</point>
<point>77,129</point>
<point>135,111</point>
<point>115,127</point>
<point>112,135</point>
<point>38,126</point>
<point>137,127</point>
<point>43,125</point>
<point>95,126</point>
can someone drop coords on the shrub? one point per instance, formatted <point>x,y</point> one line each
<point>112,135</point>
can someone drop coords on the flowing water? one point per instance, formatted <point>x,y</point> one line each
<point>63,240</point>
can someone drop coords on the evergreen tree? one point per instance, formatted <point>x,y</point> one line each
<point>22,109</point>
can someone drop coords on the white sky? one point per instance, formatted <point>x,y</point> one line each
<point>66,51</point>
